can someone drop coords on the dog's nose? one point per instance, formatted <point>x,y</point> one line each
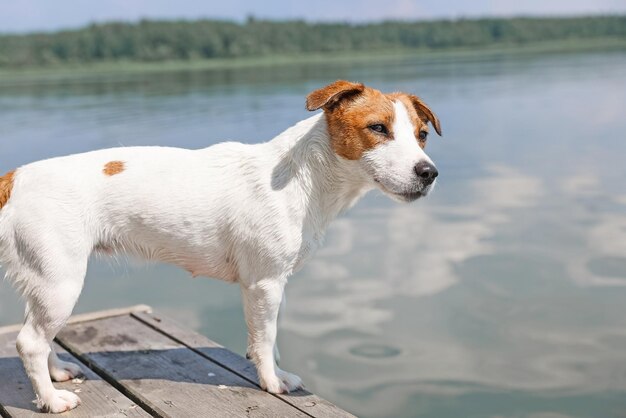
<point>426,171</point>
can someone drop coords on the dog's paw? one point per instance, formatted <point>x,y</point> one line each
<point>59,401</point>
<point>282,382</point>
<point>273,384</point>
<point>62,371</point>
<point>292,381</point>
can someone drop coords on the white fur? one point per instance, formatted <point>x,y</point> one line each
<point>250,214</point>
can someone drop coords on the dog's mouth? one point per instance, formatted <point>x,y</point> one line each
<point>404,196</point>
<point>410,196</point>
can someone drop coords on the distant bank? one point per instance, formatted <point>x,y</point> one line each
<point>205,44</point>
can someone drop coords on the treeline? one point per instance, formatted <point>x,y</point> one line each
<point>206,39</point>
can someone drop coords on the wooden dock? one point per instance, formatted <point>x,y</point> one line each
<point>140,364</point>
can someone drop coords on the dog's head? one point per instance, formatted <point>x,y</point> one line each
<point>386,133</point>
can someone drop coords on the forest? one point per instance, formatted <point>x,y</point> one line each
<point>156,41</point>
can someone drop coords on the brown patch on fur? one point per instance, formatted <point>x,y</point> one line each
<point>419,120</point>
<point>425,111</point>
<point>113,167</point>
<point>350,108</point>
<point>6,187</point>
<point>331,94</point>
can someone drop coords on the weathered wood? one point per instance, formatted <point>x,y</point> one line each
<point>146,364</point>
<point>166,377</point>
<point>99,399</point>
<point>303,400</point>
<point>90,316</point>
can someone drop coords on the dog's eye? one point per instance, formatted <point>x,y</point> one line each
<point>423,135</point>
<point>379,127</point>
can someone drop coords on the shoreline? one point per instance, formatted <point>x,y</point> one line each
<point>112,68</point>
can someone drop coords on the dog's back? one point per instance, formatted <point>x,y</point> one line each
<point>140,200</point>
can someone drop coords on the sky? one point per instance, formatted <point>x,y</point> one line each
<point>47,15</point>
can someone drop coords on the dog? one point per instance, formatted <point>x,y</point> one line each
<point>246,214</point>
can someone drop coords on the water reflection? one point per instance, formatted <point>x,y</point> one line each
<point>464,310</point>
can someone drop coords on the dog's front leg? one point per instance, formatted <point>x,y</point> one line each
<point>261,301</point>
<point>276,351</point>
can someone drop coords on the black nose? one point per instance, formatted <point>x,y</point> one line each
<point>426,171</point>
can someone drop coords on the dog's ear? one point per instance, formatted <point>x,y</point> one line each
<point>331,94</point>
<point>420,106</point>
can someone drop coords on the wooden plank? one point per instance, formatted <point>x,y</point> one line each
<point>88,316</point>
<point>303,400</point>
<point>99,399</point>
<point>165,377</point>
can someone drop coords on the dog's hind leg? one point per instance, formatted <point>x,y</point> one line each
<point>51,297</point>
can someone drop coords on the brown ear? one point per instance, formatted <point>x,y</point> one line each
<point>332,93</point>
<point>430,115</point>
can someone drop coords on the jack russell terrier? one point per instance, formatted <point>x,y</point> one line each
<point>247,214</point>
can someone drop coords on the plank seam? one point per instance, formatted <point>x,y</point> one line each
<point>177,340</point>
<point>109,379</point>
<point>89,316</point>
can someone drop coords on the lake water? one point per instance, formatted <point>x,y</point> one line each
<point>501,295</point>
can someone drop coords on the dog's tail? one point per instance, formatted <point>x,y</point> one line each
<point>6,187</point>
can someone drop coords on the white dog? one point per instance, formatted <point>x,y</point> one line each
<point>247,214</point>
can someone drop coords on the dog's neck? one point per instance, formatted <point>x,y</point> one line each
<point>326,183</point>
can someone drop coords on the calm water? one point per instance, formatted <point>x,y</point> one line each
<point>501,295</point>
